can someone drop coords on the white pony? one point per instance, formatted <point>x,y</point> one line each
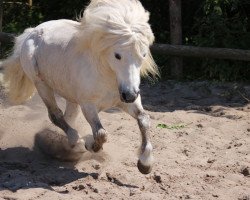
<point>95,64</point>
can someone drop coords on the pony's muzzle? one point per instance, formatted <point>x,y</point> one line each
<point>129,96</point>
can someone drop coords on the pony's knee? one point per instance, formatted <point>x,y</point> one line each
<point>144,121</point>
<point>56,117</point>
<point>146,160</point>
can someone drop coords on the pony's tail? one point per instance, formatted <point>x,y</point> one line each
<point>17,83</point>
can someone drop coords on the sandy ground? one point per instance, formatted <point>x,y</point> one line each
<point>202,148</point>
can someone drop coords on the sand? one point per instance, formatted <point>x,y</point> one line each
<point>201,150</point>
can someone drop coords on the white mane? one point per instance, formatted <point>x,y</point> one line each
<point>106,22</point>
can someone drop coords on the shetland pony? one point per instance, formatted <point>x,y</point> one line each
<point>95,64</point>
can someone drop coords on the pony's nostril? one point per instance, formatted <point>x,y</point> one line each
<point>124,96</point>
<point>129,97</point>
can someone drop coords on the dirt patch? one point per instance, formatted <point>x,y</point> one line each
<point>200,133</point>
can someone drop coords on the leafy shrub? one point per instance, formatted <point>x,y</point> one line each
<point>211,23</point>
<point>221,23</point>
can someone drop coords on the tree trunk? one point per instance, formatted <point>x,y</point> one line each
<point>176,36</point>
<point>30,2</point>
<point>1,15</point>
<point>1,23</point>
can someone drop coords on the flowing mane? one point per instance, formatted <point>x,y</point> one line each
<point>106,22</point>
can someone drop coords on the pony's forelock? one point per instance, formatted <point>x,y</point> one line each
<point>106,22</point>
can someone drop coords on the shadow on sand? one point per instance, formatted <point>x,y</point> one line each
<point>198,97</point>
<point>21,167</point>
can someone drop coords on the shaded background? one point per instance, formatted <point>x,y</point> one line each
<point>208,23</point>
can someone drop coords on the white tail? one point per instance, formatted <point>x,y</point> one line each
<point>19,86</point>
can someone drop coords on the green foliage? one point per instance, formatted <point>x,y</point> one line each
<point>19,16</point>
<point>210,23</point>
<point>173,126</point>
<point>222,23</point>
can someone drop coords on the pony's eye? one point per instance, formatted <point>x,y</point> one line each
<point>144,55</point>
<point>118,56</point>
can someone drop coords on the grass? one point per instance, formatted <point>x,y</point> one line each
<point>173,126</point>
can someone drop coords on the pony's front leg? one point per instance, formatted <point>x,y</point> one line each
<point>136,110</point>
<point>71,112</point>
<point>100,135</point>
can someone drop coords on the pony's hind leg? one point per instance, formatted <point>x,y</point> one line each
<point>71,112</point>
<point>99,133</point>
<point>136,110</point>
<point>55,114</point>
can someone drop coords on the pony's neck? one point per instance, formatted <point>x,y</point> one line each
<point>106,75</point>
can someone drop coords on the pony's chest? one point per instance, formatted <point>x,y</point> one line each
<point>107,100</point>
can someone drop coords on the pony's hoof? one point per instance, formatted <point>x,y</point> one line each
<point>144,169</point>
<point>96,147</point>
<point>93,147</point>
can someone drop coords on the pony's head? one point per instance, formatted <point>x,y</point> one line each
<point>119,35</point>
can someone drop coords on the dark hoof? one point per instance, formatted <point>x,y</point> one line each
<point>93,148</point>
<point>96,147</point>
<point>144,169</point>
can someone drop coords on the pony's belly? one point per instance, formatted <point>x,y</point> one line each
<point>68,97</point>
<point>60,86</point>
<point>103,100</point>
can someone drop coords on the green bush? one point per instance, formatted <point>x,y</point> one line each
<point>19,16</point>
<point>222,23</point>
<point>211,23</point>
